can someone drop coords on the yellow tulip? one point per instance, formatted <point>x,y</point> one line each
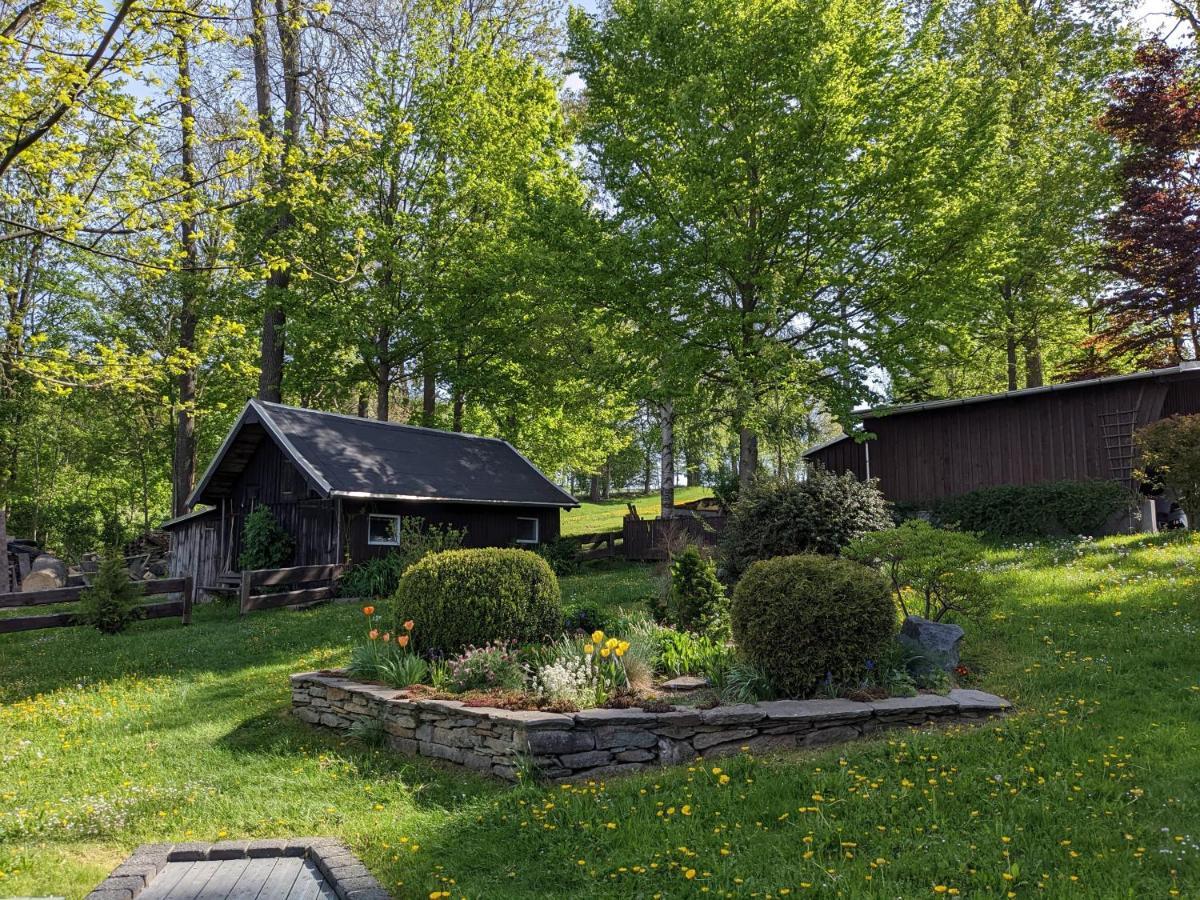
<point>624,645</point>
<point>604,651</point>
<point>588,648</point>
<point>611,643</point>
<point>597,636</point>
<point>620,651</point>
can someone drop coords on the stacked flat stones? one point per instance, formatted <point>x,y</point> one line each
<point>598,742</point>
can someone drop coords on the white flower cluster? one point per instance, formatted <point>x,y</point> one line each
<point>567,678</point>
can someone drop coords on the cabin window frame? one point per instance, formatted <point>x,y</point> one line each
<point>537,530</point>
<point>395,541</point>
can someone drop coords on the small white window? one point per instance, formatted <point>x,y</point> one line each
<point>527,531</point>
<point>383,531</point>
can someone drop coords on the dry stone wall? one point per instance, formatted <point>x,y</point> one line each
<point>598,742</point>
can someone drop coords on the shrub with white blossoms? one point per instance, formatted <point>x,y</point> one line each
<point>567,678</point>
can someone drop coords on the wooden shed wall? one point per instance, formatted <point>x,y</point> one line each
<point>485,525</point>
<point>196,549</point>
<point>271,478</point>
<point>1072,435</point>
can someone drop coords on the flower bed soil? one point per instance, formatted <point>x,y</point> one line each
<point>598,742</point>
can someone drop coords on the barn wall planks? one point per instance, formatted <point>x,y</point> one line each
<point>1052,436</point>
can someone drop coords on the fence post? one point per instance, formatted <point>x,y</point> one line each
<point>244,596</point>
<point>187,600</point>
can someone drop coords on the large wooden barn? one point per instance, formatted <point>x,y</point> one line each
<point>341,485</point>
<point>1078,431</point>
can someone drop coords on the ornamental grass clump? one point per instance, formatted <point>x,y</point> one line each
<point>804,620</point>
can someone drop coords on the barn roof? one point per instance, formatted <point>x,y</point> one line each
<point>348,456</point>
<point>878,411</point>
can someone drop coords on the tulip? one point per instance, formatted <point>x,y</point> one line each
<point>408,626</point>
<point>368,610</point>
<point>402,640</point>
<point>597,636</point>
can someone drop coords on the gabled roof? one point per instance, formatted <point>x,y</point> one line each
<point>347,456</point>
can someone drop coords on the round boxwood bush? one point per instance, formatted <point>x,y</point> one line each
<point>821,514</point>
<point>801,619</point>
<point>458,598</point>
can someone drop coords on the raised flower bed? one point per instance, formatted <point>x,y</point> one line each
<point>598,742</point>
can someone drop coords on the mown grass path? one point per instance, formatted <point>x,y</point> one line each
<point>1091,789</point>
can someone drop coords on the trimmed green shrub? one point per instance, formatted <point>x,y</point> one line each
<point>821,514</point>
<point>805,619</point>
<point>461,598</point>
<point>562,554</point>
<point>586,618</point>
<point>111,602</point>
<point>1053,509</point>
<point>265,543</point>
<point>1170,450</point>
<point>933,571</point>
<point>696,600</point>
<point>380,577</point>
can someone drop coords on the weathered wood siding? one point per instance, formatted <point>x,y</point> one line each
<point>1073,435</point>
<point>196,549</point>
<point>486,525</point>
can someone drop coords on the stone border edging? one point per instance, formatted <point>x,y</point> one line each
<point>348,877</point>
<point>596,742</point>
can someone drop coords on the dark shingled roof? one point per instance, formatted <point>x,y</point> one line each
<point>348,456</point>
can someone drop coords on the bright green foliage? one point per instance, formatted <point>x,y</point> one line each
<point>1170,457</point>
<point>809,619</point>
<point>821,514</point>
<point>933,571</point>
<point>380,576</point>
<point>110,602</point>
<point>562,554</point>
<point>1036,510</point>
<point>460,598</point>
<point>782,174</point>
<point>696,600</point>
<point>265,543</point>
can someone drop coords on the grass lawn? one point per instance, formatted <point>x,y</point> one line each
<point>1090,789</point>
<point>607,515</point>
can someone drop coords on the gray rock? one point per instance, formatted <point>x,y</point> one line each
<point>561,741</point>
<point>635,756</point>
<point>738,714</point>
<point>724,736</point>
<point>686,683</point>
<point>586,760</point>
<point>814,710</point>
<point>938,641</point>
<point>608,737</point>
<point>978,701</point>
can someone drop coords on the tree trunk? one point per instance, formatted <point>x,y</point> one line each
<point>666,480</point>
<point>747,457</point>
<point>594,489</point>
<point>5,587</point>
<point>606,483</point>
<point>363,407</point>
<point>271,348</point>
<point>428,394</point>
<point>1033,362</point>
<point>383,383</point>
<point>691,465</point>
<point>183,464</point>
<point>1010,336</point>
<point>460,403</point>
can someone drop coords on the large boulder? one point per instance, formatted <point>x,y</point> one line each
<point>937,641</point>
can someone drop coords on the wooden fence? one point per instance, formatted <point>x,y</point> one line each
<point>602,545</point>
<point>653,539</point>
<point>70,594</point>
<point>305,586</point>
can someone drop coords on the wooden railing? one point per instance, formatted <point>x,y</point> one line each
<point>307,585</point>
<point>655,539</point>
<point>71,594</point>
<point>602,545</point>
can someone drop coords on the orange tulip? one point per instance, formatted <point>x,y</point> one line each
<point>408,626</point>
<point>387,636</point>
<point>368,610</point>
<point>402,640</point>
<point>373,633</point>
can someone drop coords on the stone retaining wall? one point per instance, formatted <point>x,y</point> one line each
<point>598,742</point>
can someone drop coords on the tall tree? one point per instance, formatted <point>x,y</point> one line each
<point>1154,234</point>
<point>792,178</point>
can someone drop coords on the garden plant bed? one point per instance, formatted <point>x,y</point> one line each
<point>594,742</point>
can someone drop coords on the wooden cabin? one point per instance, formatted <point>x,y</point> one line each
<point>1078,431</point>
<point>341,485</point>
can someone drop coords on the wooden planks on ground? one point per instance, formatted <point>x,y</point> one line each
<point>264,878</point>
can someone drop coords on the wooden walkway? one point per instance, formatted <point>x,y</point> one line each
<point>269,878</point>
